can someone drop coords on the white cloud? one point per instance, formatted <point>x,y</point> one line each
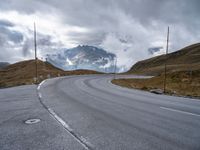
<point>131,40</point>
<point>46,25</point>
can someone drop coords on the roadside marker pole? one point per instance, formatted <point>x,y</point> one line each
<point>115,67</point>
<point>165,74</point>
<point>35,44</point>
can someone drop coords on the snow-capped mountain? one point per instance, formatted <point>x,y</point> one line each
<point>83,57</point>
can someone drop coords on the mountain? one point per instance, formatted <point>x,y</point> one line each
<point>3,64</point>
<point>83,57</point>
<point>186,59</point>
<point>23,72</point>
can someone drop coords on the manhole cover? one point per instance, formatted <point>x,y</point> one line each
<point>32,121</point>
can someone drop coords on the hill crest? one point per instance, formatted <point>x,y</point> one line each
<point>186,59</point>
<point>22,73</point>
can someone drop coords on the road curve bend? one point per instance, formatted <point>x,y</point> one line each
<point>101,115</point>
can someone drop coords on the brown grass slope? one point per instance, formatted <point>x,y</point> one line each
<point>186,59</point>
<point>23,72</point>
<point>181,83</point>
<point>183,72</point>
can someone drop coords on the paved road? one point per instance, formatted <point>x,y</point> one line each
<point>88,112</point>
<point>19,104</point>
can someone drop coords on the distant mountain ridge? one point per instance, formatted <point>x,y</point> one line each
<point>186,59</point>
<point>83,57</point>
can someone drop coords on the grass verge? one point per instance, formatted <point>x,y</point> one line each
<point>178,83</point>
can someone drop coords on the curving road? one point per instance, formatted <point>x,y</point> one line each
<point>100,115</point>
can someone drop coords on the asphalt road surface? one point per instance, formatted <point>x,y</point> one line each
<point>88,112</point>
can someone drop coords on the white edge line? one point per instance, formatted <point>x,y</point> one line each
<point>67,128</point>
<point>42,82</point>
<point>61,121</point>
<point>38,88</point>
<point>40,95</point>
<point>180,111</point>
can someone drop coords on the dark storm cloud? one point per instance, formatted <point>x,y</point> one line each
<point>43,42</point>
<point>26,47</point>
<point>103,15</point>
<point>9,35</point>
<point>16,37</point>
<point>111,16</point>
<point>1,41</point>
<point>92,38</point>
<point>91,12</point>
<point>5,23</point>
<point>24,6</point>
<point>10,40</point>
<point>153,50</point>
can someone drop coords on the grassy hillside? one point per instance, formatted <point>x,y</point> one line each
<point>183,72</point>
<point>179,83</point>
<point>23,72</point>
<point>186,59</point>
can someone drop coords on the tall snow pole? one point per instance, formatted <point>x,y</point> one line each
<point>165,73</point>
<point>115,67</point>
<point>35,45</point>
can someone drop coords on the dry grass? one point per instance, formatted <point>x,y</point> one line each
<point>186,59</point>
<point>23,73</point>
<point>179,83</point>
<point>183,72</point>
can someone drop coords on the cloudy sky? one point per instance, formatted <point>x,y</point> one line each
<point>132,29</point>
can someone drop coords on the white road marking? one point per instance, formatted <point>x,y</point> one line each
<point>180,111</point>
<point>39,95</point>
<point>38,88</point>
<point>60,120</point>
<point>80,140</point>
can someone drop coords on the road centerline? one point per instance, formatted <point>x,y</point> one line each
<point>180,111</point>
